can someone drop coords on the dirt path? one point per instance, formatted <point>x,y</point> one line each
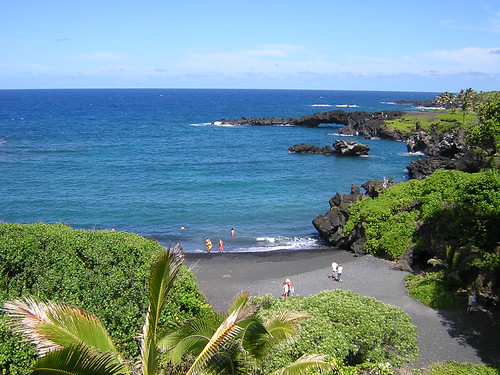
<point>442,335</point>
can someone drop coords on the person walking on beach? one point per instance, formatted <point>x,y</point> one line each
<point>208,244</point>
<point>340,268</point>
<point>334,270</point>
<point>232,232</point>
<point>221,246</point>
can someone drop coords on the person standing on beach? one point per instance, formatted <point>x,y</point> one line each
<point>339,273</point>
<point>285,292</point>
<point>208,244</point>
<point>232,232</point>
<point>221,246</point>
<point>290,287</point>
<point>334,270</point>
<point>471,305</point>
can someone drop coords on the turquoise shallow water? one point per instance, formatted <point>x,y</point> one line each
<point>149,161</point>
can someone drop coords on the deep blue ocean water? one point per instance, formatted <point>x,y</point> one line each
<point>149,160</point>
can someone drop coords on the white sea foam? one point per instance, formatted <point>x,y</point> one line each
<point>347,106</point>
<point>418,153</point>
<point>320,105</point>
<point>202,124</point>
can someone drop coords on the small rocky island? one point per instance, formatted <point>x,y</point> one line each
<point>340,148</point>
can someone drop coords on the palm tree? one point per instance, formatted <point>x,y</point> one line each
<point>466,101</point>
<point>446,99</point>
<point>251,342</point>
<point>69,340</point>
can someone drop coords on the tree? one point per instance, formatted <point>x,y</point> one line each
<point>446,100</point>
<point>69,340</point>
<point>467,101</point>
<point>486,135</point>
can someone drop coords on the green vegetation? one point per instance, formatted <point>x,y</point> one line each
<point>101,271</point>
<point>71,341</point>
<point>436,122</point>
<point>431,289</point>
<point>457,368</point>
<point>486,135</point>
<point>356,332</point>
<point>450,217</point>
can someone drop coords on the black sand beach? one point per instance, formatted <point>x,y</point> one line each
<point>442,335</point>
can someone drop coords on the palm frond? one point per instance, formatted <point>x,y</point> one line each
<point>227,332</point>
<point>256,340</point>
<point>240,300</point>
<point>259,338</point>
<point>51,326</point>
<point>161,278</point>
<point>284,327</point>
<point>304,364</point>
<point>78,360</point>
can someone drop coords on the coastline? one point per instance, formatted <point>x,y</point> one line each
<point>442,335</point>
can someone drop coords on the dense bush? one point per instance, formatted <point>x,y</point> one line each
<point>353,330</point>
<point>468,205</point>
<point>103,272</point>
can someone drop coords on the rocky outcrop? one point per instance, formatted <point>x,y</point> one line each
<point>304,148</point>
<point>448,144</point>
<point>445,151</point>
<point>350,148</point>
<point>330,225</point>
<point>340,148</point>
<point>366,124</point>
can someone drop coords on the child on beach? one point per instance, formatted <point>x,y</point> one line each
<point>340,268</point>
<point>221,246</point>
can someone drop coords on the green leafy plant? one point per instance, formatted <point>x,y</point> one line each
<point>431,289</point>
<point>103,272</point>
<point>352,330</point>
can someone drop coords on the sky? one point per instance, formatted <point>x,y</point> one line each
<point>409,45</point>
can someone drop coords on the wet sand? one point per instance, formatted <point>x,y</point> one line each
<point>449,335</point>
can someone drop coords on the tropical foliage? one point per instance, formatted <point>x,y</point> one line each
<point>103,272</point>
<point>251,341</point>
<point>356,332</point>
<point>450,215</point>
<point>431,289</point>
<point>69,340</point>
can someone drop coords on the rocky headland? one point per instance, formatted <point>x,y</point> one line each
<point>443,150</point>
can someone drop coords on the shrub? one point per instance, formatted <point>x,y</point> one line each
<point>431,290</point>
<point>353,330</point>
<point>103,272</point>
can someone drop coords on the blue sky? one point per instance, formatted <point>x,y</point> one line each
<point>270,44</point>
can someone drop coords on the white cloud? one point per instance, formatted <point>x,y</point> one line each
<point>488,58</point>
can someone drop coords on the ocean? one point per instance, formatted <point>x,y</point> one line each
<point>149,161</point>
